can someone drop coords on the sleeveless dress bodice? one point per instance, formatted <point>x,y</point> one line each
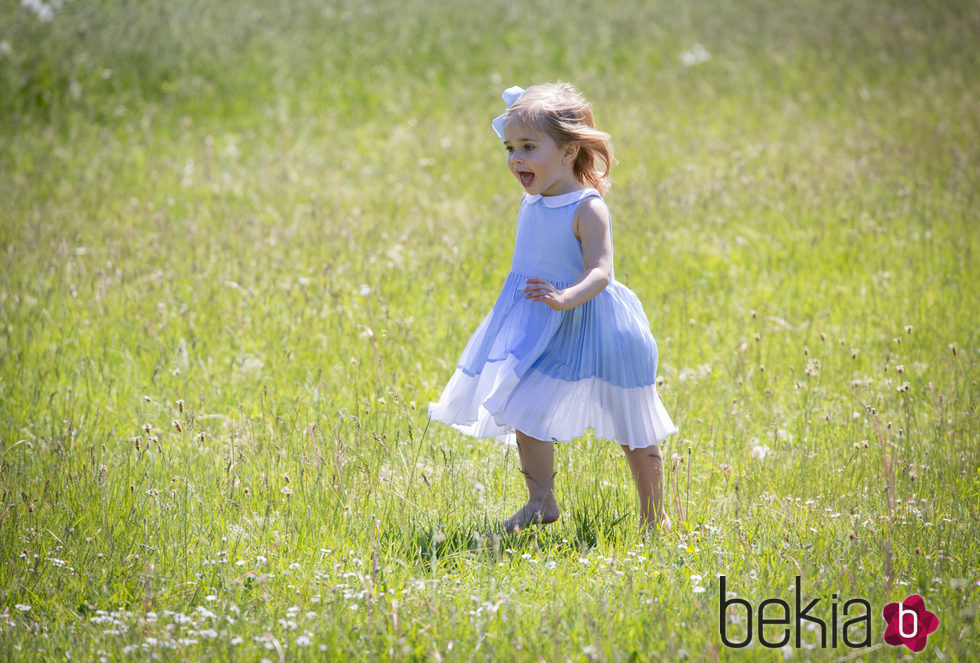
<point>545,243</point>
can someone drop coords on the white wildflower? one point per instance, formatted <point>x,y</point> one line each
<point>697,54</point>
<point>42,10</point>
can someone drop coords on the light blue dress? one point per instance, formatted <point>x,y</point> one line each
<point>554,374</point>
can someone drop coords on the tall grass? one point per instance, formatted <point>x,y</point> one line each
<point>243,244</point>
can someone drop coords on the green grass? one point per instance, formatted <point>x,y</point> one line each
<point>213,439</point>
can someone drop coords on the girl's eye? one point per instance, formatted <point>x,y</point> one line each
<point>528,148</point>
<point>509,148</point>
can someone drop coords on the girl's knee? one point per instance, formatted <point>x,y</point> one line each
<point>652,450</point>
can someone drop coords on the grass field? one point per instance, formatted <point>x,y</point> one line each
<point>243,243</point>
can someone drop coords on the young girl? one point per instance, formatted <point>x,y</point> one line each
<point>566,347</point>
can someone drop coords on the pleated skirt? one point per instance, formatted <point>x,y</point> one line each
<point>555,374</point>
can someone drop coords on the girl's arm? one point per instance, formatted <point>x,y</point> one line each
<point>592,229</point>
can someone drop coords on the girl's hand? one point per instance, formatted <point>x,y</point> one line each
<point>539,290</point>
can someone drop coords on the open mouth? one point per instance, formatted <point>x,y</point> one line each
<point>526,178</point>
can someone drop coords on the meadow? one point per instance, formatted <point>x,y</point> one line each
<point>243,243</point>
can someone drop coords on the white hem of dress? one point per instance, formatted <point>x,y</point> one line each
<point>632,416</point>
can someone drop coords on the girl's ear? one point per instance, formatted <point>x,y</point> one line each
<point>571,152</point>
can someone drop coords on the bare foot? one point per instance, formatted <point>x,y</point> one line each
<point>532,514</point>
<point>663,526</point>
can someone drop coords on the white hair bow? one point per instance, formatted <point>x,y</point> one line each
<point>510,95</point>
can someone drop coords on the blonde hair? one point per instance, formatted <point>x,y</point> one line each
<point>562,112</point>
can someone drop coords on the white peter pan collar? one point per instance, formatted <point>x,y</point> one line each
<point>560,200</point>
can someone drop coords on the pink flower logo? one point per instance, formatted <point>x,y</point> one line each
<point>909,623</point>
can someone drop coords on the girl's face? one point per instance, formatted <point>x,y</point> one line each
<point>537,161</point>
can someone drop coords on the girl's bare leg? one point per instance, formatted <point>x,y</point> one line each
<point>648,472</point>
<point>538,466</point>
